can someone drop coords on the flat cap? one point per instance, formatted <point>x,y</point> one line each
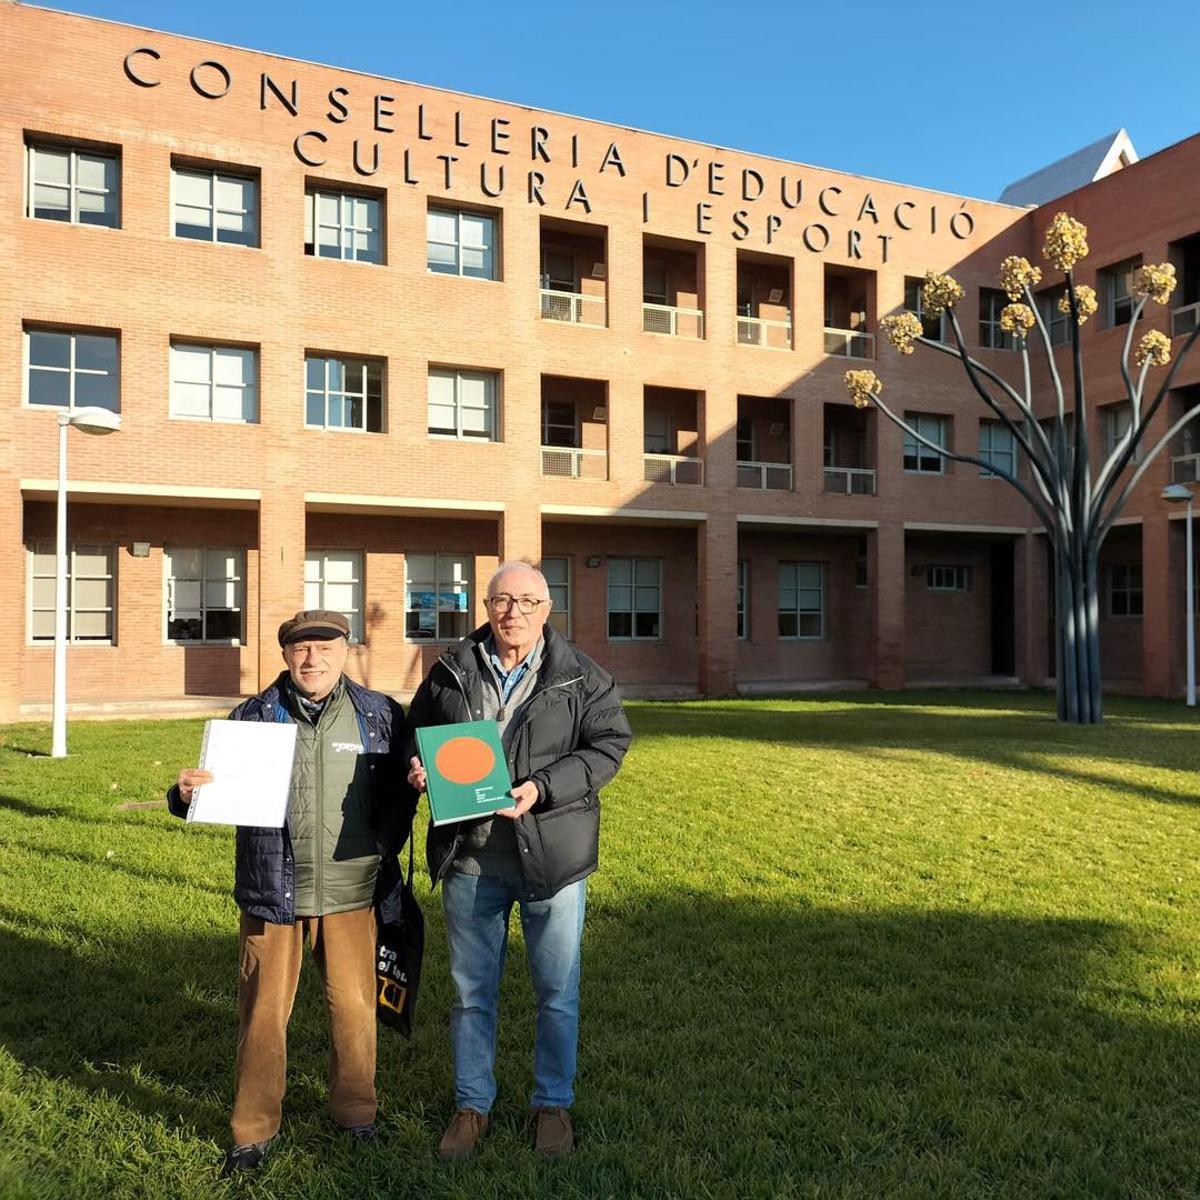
<point>319,624</point>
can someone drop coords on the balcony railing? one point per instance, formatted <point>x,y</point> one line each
<point>677,322</point>
<point>770,477</point>
<point>1185,469</point>
<point>673,469</point>
<point>1184,320</point>
<point>850,481</point>
<point>849,343</point>
<point>573,462</point>
<point>774,335</point>
<point>574,307</point>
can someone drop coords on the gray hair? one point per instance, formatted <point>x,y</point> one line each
<point>517,564</point>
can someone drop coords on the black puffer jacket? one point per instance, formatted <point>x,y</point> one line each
<point>264,868</point>
<point>571,739</point>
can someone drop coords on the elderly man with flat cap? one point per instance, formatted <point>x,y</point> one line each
<point>314,880</point>
<point>564,734</point>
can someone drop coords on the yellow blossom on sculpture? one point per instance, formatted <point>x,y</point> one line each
<point>901,329</point>
<point>1017,319</point>
<point>864,386</point>
<point>939,292</point>
<point>1016,274</point>
<point>1154,348</point>
<point>1066,241</point>
<point>1085,299</point>
<point>1156,281</point>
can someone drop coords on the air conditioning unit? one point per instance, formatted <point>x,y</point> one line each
<point>599,413</point>
<point>599,270</point>
<point>775,295</point>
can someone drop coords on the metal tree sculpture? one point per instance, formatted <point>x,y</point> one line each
<point>1075,506</point>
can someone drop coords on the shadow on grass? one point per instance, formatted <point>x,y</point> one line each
<point>1013,731</point>
<point>728,1050</point>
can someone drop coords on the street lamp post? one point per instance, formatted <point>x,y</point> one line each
<point>90,420</point>
<point>1177,493</point>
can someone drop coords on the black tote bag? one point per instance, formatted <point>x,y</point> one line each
<point>400,944</point>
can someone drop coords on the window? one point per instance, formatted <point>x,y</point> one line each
<point>991,303</point>
<point>1058,324</point>
<point>1116,286</point>
<point>558,423</point>
<point>343,225</point>
<point>74,184</point>
<point>744,435</point>
<point>743,591</point>
<point>212,206</point>
<point>998,446</point>
<point>90,582</point>
<point>72,369</point>
<point>558,577</point>
<point>437,597</point>
<point>634,599</point>
<point>862,569</point>
<point>941,578</point>
<point>1125,589</point>
<point>918,457</point>
<point>1117,421</point>
<point>333,579</point>
<point>914,301</point>
<point>801,600</point>
<point>205,594</point>
<point>654,281</point>
<point>558,271</point>
<point>460,243</point>
<point>213,383</point>
<point>656,431</point>
<point>462,404</point>
<point>343,393</point>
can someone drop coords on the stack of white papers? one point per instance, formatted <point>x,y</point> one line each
<point>251,762</point>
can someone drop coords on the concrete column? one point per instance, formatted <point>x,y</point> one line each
<point>1157,650</point>
<point>716,591</point>
<point>888,577</point>
<point>281,546</point>
<point>14,575</point>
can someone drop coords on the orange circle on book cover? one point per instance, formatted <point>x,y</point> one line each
<point>464,760</point>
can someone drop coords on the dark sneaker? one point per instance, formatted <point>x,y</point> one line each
<point>555,1137</point>
<point>246,1157</point>
<point>360,1133</point>
<point>466,1130</point>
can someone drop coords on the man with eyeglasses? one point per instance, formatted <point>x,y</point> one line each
<point>564,734</point>
<point>313,880</point>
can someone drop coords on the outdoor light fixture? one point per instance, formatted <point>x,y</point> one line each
<point>1176,493</point>
<point>90,420</point>
<point>592,560</point>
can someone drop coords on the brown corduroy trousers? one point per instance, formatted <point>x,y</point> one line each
<point>343,945</point>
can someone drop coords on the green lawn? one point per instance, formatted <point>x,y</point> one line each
<point>909,946</point>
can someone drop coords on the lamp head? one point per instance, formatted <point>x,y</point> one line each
<point>1177,493</point>
<point>95,420</point>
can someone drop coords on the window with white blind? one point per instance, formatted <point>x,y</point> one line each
<point>634,599</point>
<point>943,578</point>
<point>213,383</point>
<point>91,582</point>
<point>998,446</point>
<point>462,404</point>
<point>333,580</point>
<point>343,225</point>
<point>460,243</point>
<point>205,593</point>
<point>918,457</point>
<point>437,597</point>
<point>214,206</point>
<point>76,184</point>
<point>557,571</point>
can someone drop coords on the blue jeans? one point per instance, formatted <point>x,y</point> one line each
<point>477,910</point>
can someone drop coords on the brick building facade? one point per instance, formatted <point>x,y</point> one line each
<point>369,339</point>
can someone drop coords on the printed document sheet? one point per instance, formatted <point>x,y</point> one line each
<point>251,762</point>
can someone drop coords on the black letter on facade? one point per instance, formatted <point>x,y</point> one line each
<point>133,76</point>
<point>673,161</point>
<point>305,158</point>
<point>748,174</point>
<point>716,175</point>
<point>536,182</point>
<point>381,112</point>
<point>774,221</point>
<point>425,137</point>
<point>645,207</point>
<point>822,232</point>
<point>358,165</point>
<point>538,137</point>
<point>703,217</point>
<point>267,84</point>
<point>899,219</point>
<point>459,140</point>
<point>338,112</point>
<point>741,227</point>
<point>579,196</point>
<point>448,159</point>
<point>837,191</point>
<point>884,239</point>
<point>962,225</point>
<point>868,209</point>
<point>500,134</point>
<point>788,201</point>
<point>483,180</point>
<point>220,70</point>
<point>612,158</point>
<point>409,177</point>
<point>853,248</point>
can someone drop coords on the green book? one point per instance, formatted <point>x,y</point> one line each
<point>465,770</point>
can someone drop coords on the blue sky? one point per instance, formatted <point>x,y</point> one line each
<point>963,96</point>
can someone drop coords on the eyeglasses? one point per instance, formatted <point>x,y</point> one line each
<point>502,602</point>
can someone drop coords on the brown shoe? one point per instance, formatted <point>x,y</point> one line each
<point>555,1137</point>
<point>466,1130</point>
